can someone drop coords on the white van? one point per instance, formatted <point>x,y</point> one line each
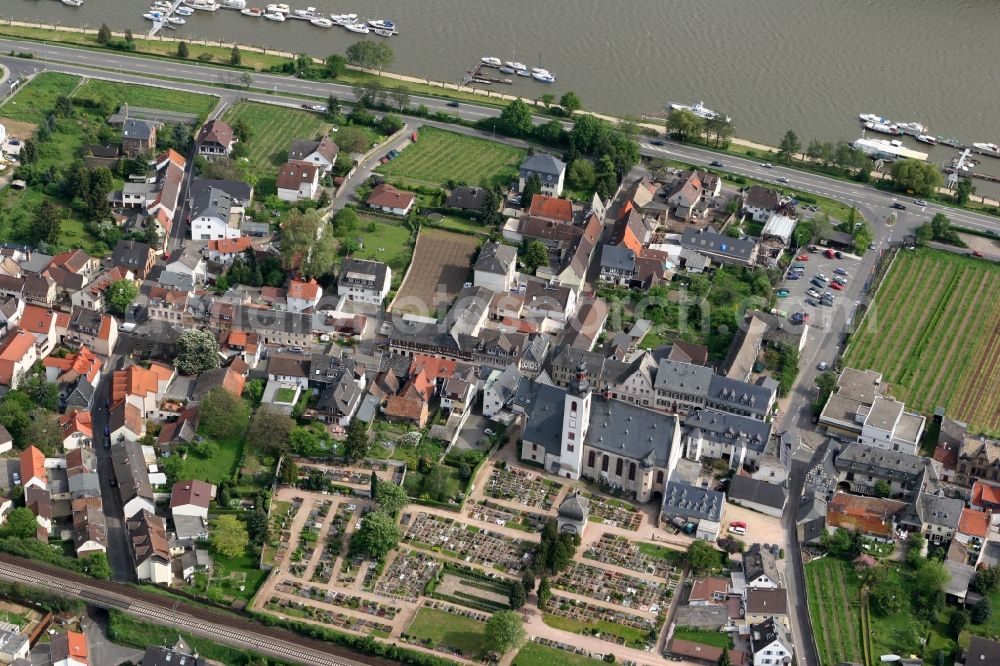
<point>739,531</point>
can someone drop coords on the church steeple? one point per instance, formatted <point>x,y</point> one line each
<point>580,384</point>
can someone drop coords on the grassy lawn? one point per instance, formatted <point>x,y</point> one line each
<point>533,654</point>
<point>440,156</point>
<point>148,96</point>
<point>461,633</point>
<point>704,636</point>
<point>460,224</point>
<point>35,100</point>
<point>392,244</point>
<point>932,332</point>
<point>284,395</point>
<point>217,468</point>
<point>631,635</point>
<point>659,551</point>
<point>230,574</point>
<point>833,594</point>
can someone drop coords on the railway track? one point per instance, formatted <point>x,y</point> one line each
<point>229,629</point>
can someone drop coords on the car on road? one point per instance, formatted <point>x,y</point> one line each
<point>767,165</point>
<point>836,286</point>
<point>812,292</point>
<point>782,293</point>
<point>977,253</point>
<point>871,246</point>
<point>822,365</point>
<point>453,105</point>
<point>716,163</point>
<point>897,206</point>
<point>319,108</point>
<point>803,257</point>
<point>781,179</point>
<point>657,142</point>
<point>107,442</point>
<point>919,202</point>
<point>839,271</point>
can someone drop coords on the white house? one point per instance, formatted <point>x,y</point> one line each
<point>770,644</point>
<point>500,389</point>
<point>496,267</point>
<point>289,369</point>
<point>551,173</point>
<point>298,180</point>
<point>364,281</point>
<point>303,295</point>
<point>321,153</point>
<point>760,569</point>
<point>150,549</point>
<point>388,199</point>
<point>13,644</point>
<point>216,214</point>
<point>191,498</point>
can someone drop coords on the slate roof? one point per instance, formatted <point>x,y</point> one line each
<point>728,428</point>
<point>683,377</point>
<point>543,163</point>
<point>134,128</point>
<point>709,242</point>
<point>466,198</point>
<point>762,197</point>
<point>575,507</point>
<point>758,562</point>
<point>770,602</point>
<point>363,272</point>
<point>495,258</point>
<point>759,492</point>
<point>687,501</point>
<point>325,147</point>
<point>617,257</point>
<point>211,202</point>
<point>234,188</point>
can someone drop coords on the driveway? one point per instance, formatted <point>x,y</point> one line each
<point>472,434</point>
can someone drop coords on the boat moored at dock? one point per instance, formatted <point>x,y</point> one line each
<point>184,11</point>
<point>234,4</point>
<point>321,22</point>
<point>991,149</point>
<point>344,19</point>
<point>699,109</point>
<point>277,17</point>
<point>203,5</point>
<point>928,139</point>
<point>307,14</point>
<point>252,11</point>
<point>544,77</point>
<point>73,3</point>
<point>358,27</point>
<point>882,128</point>
<point>490,61</point>
<point>281,8</point>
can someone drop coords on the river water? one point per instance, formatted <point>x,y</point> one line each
<point>809,65</point>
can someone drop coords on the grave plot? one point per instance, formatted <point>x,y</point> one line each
<point>491,512</point>
<point>472,588</point>
<point>603,585</point>
<point>308,538</point>
<point>614,513</point>
<point>468,543</point>
<point>645,558</point>
<point>339,620</point>
<point>334,543</point>
<point>342,599</point>
<point>407,576</point>
<point>607,624</point>
<point>520,487</point>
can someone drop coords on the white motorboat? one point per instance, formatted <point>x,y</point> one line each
<point>516,66</point>
<point>275,16</point>
<point>382,24</point>
<point>234,4</point>
<point>492,62</point>
<point>358,27</point>
<point>175,20</point>
<point>539,70</point>
<point>991,149</point>
<point>153,16</point>
<point>544,77</point>
<point>506,70</point>
<point>382,32</point>
<point>204,5</point>
<point>322,22</point>
<point>307,14</point>
<point>281,8</point>
<point>344,19</point>
<point>72,3</point>
<point>699,109</point>
<point>252,11</point>
<point>184,11</point>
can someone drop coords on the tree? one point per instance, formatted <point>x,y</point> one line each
<point>197,351</point>
<point>724,657</point>
<point>720,128</point>
<point>20,524</point>
<point>43,431</point>
<point>929,582</point>
<point>547,99</point>
<point>987,579</point>
<point>533,255</point>
<point>958,620</point>
<point>789,146</point>
<point>982,611</point>
<point>528,581</point>
<point>915,549</point>
<point>383,56</point>
<point>886,598</point>
<point>289,471</point>
<point>246,78</point>
<point>570,102</point>
<point>581,174</point>
<point>304,244</point>
<point>129,37</point>
<point>515,119</point>
<point>336,65</point>
<point>256,524</point>
<point>532,186</point>
<point>97,566</point>
<point>223,415</point>
<point>963,191</point>
<point>544,592</point>
<point>701,555</point>
<point>229,537</point>
<point>377,535</point>
<point>921,178</point>
<point>182,50</point>
<point>504,632</point>
<point>270,430</point>
<point>844,543</point>
<point>390,497</point>
<point>352,139</point>
<point>48,220</point>
<point>517,597</point>
<point>401,96</point>
<point>42,393</point>
<point>356,444</point>
<point>881,488</point>
<point>104,35</point>
<point>235,57</point>
<point>121,294</point>
<point>437,484</point>
<point>683,124</point>
<point>253,391</point>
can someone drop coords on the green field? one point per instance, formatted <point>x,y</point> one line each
<point>832,590</point>
<point>934,333</point>
<point>215,469</point>
<point>631,635</point>
<point>440,156</point>
<point>461,633</point>
<point>704,636</point>
<point>148,97</point>
<point>34,101</point>
<point>533,654</point>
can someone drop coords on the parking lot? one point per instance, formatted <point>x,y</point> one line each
<point>820,315</point>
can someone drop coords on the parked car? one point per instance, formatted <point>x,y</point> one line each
<point>793,276</point>
<point>823,365</point>
<point>812,249</point>
<point>836,285</point>
<point>782,293</point>
<point>803,257</point>
<point>490,432</point>
<point>812,292</point>
<point>838,254</point>
<point>818,283</point>
<point>319,108</point>
<point>839,271</point>
<point>871,246</point>
<point>829,253</point>
<point>841,280</point>
<point>897,206</point>
<point>822,276</point>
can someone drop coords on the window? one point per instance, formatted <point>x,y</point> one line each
<point>569,448</point>
<point>659,476</point>
<point>604,464</point>
<point>590,459</point>
<point>618,467</point>
<point>631,472</point>
<point>572,407</point>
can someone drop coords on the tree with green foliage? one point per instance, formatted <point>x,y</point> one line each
<point>544,592</point>
<point>683,124</point>
<point>104,35</point>
<point>921,178</point>
<point>789,369</point>
<point>289,471</point>
<point>570,102</point>
<point>370,55</point>
<point>43,394</point>
<point>253,390</point>
<point>963,191</point>
<point>886,598</point>
<point>182,50</point>
<point>929,583</point>
<point>96,565</point>
<point>701,555</point>
<point>939,229</point>
<point>345,221</point>
<point>235,57</point>
<point>20,524</point>
<point>547,99</point>
<point>862,235</point>
<point>528,581</point>
<point>356,444</point>
<point>504,632</point>
<point>270,431</point>
<point>827,384</point>
<point>982,611</point>
<point>719,129</point>
<point>229,536</point>
<point>48,222</point>
<point>724,657</point>
<point>533,254</point>
<point>222,415</point>
<point>881,488</point>
<point>843,543</point>
<point>377,535</point>
<point>958,620</point>
<point>532,186</point>
<point>43,430</point>
<point>915,544</point>
<point>256,524</point>
<point>517,597</point>
<point>373,484</point>
<point>390,497</point>
<point>401,96</point>
<point>789,146</point>
<point>304,243</point>
<point>121,295</point>
<point>581,174</point>
<point>197,351</point>
<point>987,579</point>
<point>336,65</point>
<point>515,119</point>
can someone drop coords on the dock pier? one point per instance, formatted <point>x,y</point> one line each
<point>159,25</point>
<point>475,75</point>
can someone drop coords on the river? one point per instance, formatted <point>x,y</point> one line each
<point>807,65</point>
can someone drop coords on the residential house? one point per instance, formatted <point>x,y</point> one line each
<point>716,435</point>
<point>191,498</point>
<point>745,349</point>
<point>388,199</point>
<point>760,203</point>
<point>245,345</point>
<point>138,137</point>
<point>776,237</point>
<point>985,497</point>
<point>303,295</point>
<point>978,465</point>
<point>760,569</point>
<point>18,353</point>
<point>32,468</point>
<point>759,495</point>
<point>500,389</point>
<point>142,387</point>
<point>289,369</point>
<point>321,153</point>
<point>135,257</point>
<point>69,648</point>
<point>237,189</point>
<point>693,504</point>
<point>180,431</point>
<point>872,516</point>
<point>130,471</point>
<point>935,516</point>
<point>90,530</point>
<point>699,653</point>
<point>14,645</point>
<point>39,501</point>
<point>216,215</point>
<point>39,288</point>
<point>42,323</point>
<point>720,248</point>
<point>94,295</point>
<point>340,399</point>
<point>770,644</point>
<point>229,377</point>
<point>364,281</point>
<point>982,651</point>
<point>76,429</point>
<point>496,267</point>
<point>215,139</point>
<point>550,305</point>
<point>224,251</point>
<point>298,180</point>
<point>409,410</point>
<point>170,168</point>
<point>973,528</point>
<point>150,548</point>
<point>467,198</point>
<point>125,421</point>
<point>81,473</point>
<point>551,173</point>
<point>707,590</point>
<point>762,604</point>
<point>617,265</point>
<point>861,467</point>
<point>459,392</point>
<point>6,443</point>
<point>284,329</point>
<point>688,190</point>
<point>187,268</point>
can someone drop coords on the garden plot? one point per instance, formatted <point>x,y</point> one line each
<point>521,520</point>
<point>520,487</point>
<point>603,585</point>
<point>468,543</point>
<point>472,588</point>
<point>338,620</point>
<point>614,513</point>
<point>407,576</point>
<point>334,542</point>
<point>645,558</point>
<point>605,623</point>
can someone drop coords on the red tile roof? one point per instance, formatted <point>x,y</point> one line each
<point>974,523</point>
<point>229,245</point>
<point>195,492</point>
<point>871,515</point>
<point>216,131</point>
<point>294,173</point>
<point>404,408</point>
<point>78,646</point>
<point>387,196</point>
<point>984,492</point>
<point>15,347</point>
<point>306,290</point>
<point>551,208</point>
<point>76,421</point>
<point>32,464</point>
<point>37,319</point>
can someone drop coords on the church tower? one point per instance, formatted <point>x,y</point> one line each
<point>576,421</point>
